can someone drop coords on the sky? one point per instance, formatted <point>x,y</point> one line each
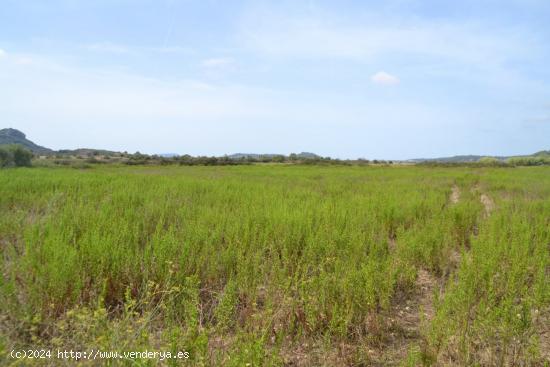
<point>392,79</point>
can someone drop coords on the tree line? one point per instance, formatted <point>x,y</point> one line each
<point>18,156</point>
<point>188,160</point>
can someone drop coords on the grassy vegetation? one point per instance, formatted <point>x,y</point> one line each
<point>279,265</point>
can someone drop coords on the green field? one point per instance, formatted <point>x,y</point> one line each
<point>269,265</point>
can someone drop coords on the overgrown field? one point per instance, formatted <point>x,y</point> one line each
<point>278,265</point>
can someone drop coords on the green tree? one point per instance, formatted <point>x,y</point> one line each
<point>6,158</point>
<point>21,157</point>
<point>15,155</point>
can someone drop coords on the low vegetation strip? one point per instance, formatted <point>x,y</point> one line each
<point>278,265</point>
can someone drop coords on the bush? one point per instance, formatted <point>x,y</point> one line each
<point>5,157</point>
<point>22,157</point>
<point>15,156</point>
<point>529,161</point>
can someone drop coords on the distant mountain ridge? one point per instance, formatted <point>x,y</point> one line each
<point>14,136</point>
<point>454,159</point>
<point>477,158</point>
<point>302,155</point>
<point>86,151</point>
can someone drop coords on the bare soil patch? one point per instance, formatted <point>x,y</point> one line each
<point>455,195</point>
<point>405,322</point>
<point>541,320</point>
<point>392,244</point>
<point>487,203</point>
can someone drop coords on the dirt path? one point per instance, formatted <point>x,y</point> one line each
<point>408,316</point>
<point>488,203</point>
<point>485,199</point>
<point>454,199</point>
<point>426,284</point>
<point>455,195</point>
<point>542,327</point>
<point>392,244</point>
<point>406,319</point>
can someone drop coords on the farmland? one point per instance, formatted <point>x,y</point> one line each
<point>269,265</point>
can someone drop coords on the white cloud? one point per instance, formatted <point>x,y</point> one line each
<point>384,78</point>
<point>108,47</point>
<point>2,53</point>
<point>218,62</point>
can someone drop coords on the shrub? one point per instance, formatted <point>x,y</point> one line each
<point>5,157</point>
<point>15,156</point>
<point>529,161</point>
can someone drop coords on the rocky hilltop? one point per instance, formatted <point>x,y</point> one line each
<point>13,136</point>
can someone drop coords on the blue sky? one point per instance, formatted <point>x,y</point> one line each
<point>388,79</point>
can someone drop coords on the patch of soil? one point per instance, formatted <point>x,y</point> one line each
<point>455,195</point>
<point>541,321</point>
<point>392,244</point>
<point>455,258</point>
<point>309,353</point>
<point>487,203</point>
<point>405,322</point>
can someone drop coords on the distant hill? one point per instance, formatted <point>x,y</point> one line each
<point>13,136</point>
<point>251,156</point>
<point>308,155</point>
<point>477,158</point>
<point>303,155</point>
<point>453,159</point>
<point>87,152</point>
